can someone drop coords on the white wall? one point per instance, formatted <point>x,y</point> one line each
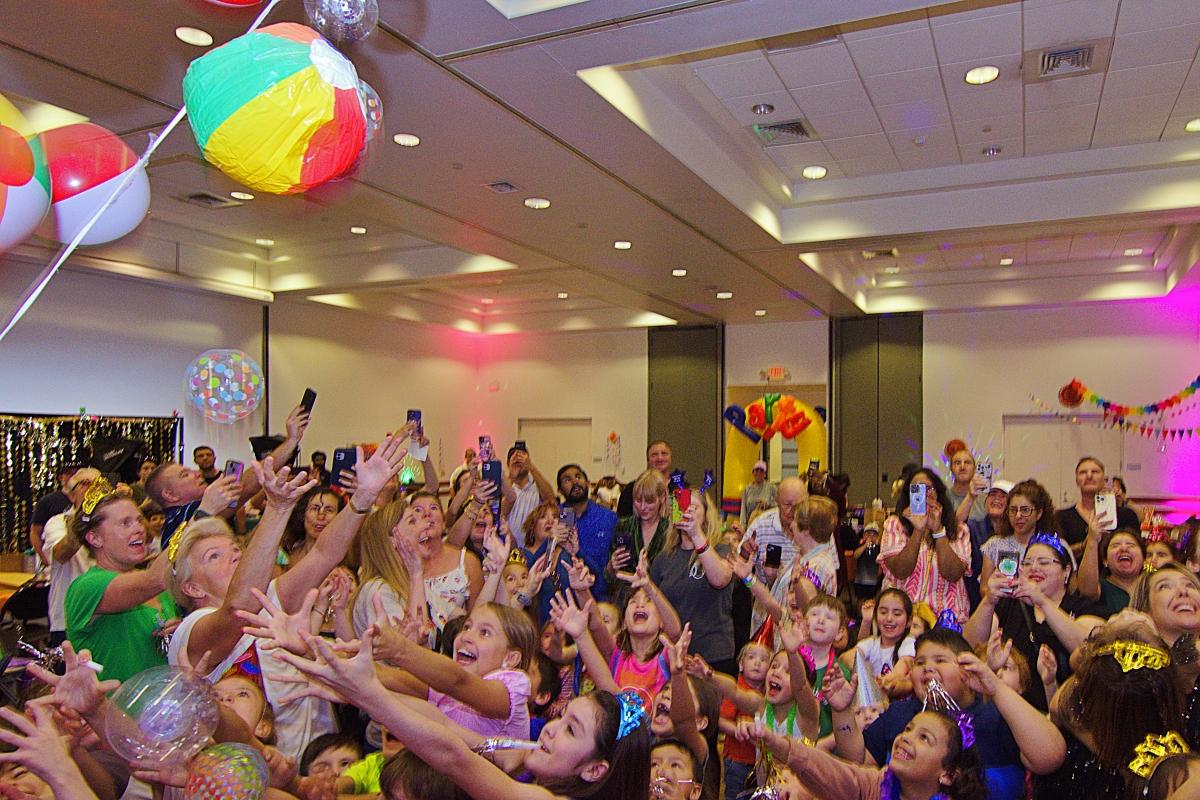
<point>979,366</point>
<point>119,348</point>
<point>369,370</point>
<point>800,347</point>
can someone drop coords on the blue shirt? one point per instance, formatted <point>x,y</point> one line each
<point>1002,768</point>
<point>981,530</point>
<point>596,526</point>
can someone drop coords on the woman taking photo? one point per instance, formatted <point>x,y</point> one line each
<point>926,555</point>
<point>646,528</point>
<point>1027,510</point>
<point>692,573</point>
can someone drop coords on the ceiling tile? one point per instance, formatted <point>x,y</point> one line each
<point>986,131</point>
<point>857,33</point>
<point>1009,148</point>
<point>842,95</point>
<point>1145,15</point>
<point>1182,115</point>
<point>873,145</point>
<point>858,167</point>
<point>938,138</point>
<point>1126,122</point>
<point>1139,81</point>
<point>795,157</point>
<point>785,108</point>
<point>1177,43</point>
<point>1063,92</point>
<point>840,126</point>
<point>954,73</point>
<point>1058,141</point>
<point>926,158</point>
<point>1148,240</point>
<point>904,51</point>
<point>1071,21</point>
<point>985,104</point>
<point>978,39</point>
<point>919,115</point>
<point>1073,118</point>
<point>741,78</point>
<point>904,87</point>
<point>1048,250</point>
<point>1092,245</point>
<point>810,66</point>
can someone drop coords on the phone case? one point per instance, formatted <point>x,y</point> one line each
<point>916,498</point>
<point>1106,505</point>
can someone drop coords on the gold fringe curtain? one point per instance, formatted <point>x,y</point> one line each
<point>35,447</point>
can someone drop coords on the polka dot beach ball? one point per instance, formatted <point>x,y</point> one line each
<point>224,385</point>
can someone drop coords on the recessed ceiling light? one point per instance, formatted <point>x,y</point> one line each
<point>762,108</point>
<point>760,312</point>
<point>1192,125</point>
<point>724,295</point>
<point>1133,251</point>
<point>1006,261</point>
<point>991,151</point>
<point>357,230</point>
<point>241,195</point>
<point>537,203</point>
<point>679,273</point>
<point>563,295</point>
<point>265,242</point>
<point>406,139</point>
<point>487,301</point>
<point>814,173</point>
<point>981,75</point>
<point>622,245</point>
<point>193,36</point>
<point>892,270</point>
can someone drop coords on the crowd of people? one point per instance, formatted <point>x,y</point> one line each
<point>527,639</point>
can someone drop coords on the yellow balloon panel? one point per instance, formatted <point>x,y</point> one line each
<point>741,453</point>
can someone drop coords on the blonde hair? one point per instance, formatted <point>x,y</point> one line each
<point>378,557</point>
<point>652,486</point>
<point>821,518</point>
<point>181,567</point>
<point>518,630</point>
<point>712,527</point>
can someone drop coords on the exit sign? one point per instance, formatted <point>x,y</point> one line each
<point>776,374</point>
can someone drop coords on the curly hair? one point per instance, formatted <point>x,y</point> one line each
<point>1036,494</point>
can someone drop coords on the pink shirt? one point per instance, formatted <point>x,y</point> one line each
<point>516,726</point>
<point>926,584</point>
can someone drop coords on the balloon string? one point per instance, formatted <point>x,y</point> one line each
<point>39,285</point>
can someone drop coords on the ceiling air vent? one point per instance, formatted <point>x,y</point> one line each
<point>1066,60</point>
<point>210,200</point>
<point>501,187</point>
<point>783,133</point>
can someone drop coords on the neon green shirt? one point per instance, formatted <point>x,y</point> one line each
<point>365,774</point>
<point>124,642</point>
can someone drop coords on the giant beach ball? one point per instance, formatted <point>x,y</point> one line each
<point>87,163</point>
<point>24,178</point>
<point>224,385</point>
<point>279,109</point>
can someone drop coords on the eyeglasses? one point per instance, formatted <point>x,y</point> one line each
<point>1021,511</point>
<point>1041,562</point>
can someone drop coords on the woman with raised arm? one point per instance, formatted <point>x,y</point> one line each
<point>211,575</point>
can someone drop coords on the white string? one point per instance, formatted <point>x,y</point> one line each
<point>39,285</point>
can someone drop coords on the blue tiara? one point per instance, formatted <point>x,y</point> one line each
<point>1051,540</point>
<point>633,713</point>
<point>947,619</point>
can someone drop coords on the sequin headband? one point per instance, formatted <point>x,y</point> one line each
<point>938,699</point>
<point>1154,750</point>
<point>98,491</point>
<point>1052,541</point>
<point>633,713</point>
<point>1133,655</point>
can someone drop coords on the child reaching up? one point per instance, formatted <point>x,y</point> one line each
<point>739,755</point>
<point>825,618</point>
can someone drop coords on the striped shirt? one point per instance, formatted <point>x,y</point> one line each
<point>926,583</point>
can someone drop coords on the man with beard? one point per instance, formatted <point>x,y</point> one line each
<point>591,538</point>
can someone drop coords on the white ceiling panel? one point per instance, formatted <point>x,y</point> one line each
<point>839,96</point>
<point>1009,148</point>
<point>841,126</point>
<point>978,39</point>
<point>794,157</point>
<point>1010,75</point>
<point>917,115</point>
<point>1136,82</point>
<point>1175,43</point>
<point>1145,15</point>
<point>1088,246</point>
<point>1062,141</point>
<point>1063,92</point>
<point>904,87</point>
<point>856,32</point>
<point>1071,21</point>
<point>810,66</point>
<point>988,102</point>
<point>874,145</point>
<point>986,131</point>
<point>910,50</point>
<point>740,108</point>
<point>739,78</point>
<point>1081,118</point>
<point>1125,121</point>
<point>857,167</point>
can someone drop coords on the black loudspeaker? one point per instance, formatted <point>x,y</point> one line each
<point>115,456</point>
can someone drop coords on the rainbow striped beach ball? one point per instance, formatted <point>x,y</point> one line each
<point>278,109</point>
<point>224,385</point>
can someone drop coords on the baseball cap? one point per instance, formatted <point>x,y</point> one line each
<point>1002,485</point>
<point>759,465</point>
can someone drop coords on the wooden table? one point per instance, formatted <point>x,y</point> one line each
<point>10,582</point>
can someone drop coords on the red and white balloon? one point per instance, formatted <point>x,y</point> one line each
<point>87,163</point>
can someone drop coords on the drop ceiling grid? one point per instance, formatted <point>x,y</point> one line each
<point>892,98</point>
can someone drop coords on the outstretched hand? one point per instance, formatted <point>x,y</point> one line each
<point>283,489</point>
<point>677,651</point>
<point>979,675</point>
<point>78,689</point>
<point>351,677</point>
<point>372,474</point>
<point>837,691</point>
<point>567,616</point>
<point>275,627</point>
